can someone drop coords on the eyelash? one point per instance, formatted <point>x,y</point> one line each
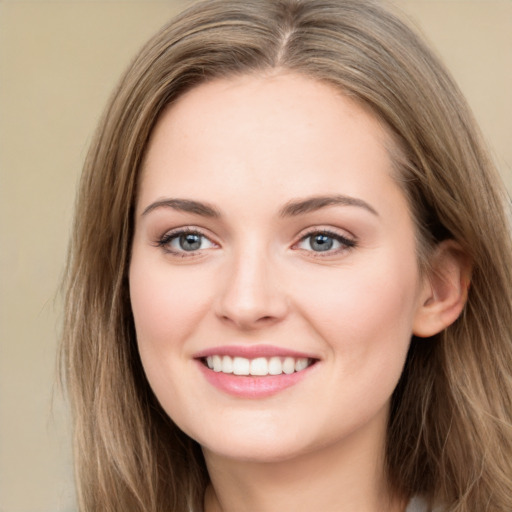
<point>165,241</point>
<point>345,242</point>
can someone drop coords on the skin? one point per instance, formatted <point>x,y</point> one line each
<point>247,147</point>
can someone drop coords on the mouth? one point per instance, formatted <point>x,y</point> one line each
<point>253,372</point>
<point>258,366</point>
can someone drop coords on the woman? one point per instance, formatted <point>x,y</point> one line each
<point>269,303</point>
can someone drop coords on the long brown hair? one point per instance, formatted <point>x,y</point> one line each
<point>450,430</point>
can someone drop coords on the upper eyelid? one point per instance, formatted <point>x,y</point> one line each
<point>348,241</point>
<point>335,232</point>
<point>342,234</point>
<point>186,229</point>
<point>164,243</point>
<point>172,234</point>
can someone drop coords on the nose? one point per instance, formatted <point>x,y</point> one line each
<point>251,296</point>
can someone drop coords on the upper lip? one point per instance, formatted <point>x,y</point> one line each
<point>252,352</point>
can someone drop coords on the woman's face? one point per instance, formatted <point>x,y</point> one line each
<point>271,239</point>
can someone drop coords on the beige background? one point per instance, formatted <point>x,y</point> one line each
<point>58,63</point>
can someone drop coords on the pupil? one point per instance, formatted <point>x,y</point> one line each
<point>190,242</point>
<point>322,243</point>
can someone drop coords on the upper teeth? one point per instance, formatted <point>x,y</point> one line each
<point>259,366</point>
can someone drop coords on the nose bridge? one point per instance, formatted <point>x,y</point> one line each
<point>251,295</point>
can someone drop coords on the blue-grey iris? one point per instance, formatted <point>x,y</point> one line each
<point>321,242</point>
<point>190,242</point>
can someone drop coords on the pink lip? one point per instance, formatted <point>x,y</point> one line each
<point>252,352</point>
<point>252,387</point>
<point>246,386</point>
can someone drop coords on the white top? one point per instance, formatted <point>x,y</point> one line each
<point>417,505</point>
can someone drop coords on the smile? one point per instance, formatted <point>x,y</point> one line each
<point>254,371</point>
<point>260,366</point>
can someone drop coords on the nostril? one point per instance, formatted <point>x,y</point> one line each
<point>265,319</point>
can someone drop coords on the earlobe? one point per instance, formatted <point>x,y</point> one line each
<point>445,290</point>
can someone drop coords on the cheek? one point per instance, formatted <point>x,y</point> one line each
<point>366,313</point>
<point>366,322</point>
<point>166,305</point>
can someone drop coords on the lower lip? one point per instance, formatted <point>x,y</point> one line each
<point>247,386</point>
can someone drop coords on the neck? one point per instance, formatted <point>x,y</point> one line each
<point>348,476</point>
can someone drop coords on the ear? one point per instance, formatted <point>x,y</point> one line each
<point>445,290</point>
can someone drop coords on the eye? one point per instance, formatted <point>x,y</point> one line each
<point>325,241</point>
<point>185,241</point>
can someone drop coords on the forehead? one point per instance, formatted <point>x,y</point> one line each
<point>233,135</point>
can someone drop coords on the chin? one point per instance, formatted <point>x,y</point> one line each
<point>256,451</point>
<point>265,444</point>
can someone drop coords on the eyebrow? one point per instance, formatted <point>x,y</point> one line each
<point>300,207</point>
<point>291,209</point>
<point>184,205</point>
